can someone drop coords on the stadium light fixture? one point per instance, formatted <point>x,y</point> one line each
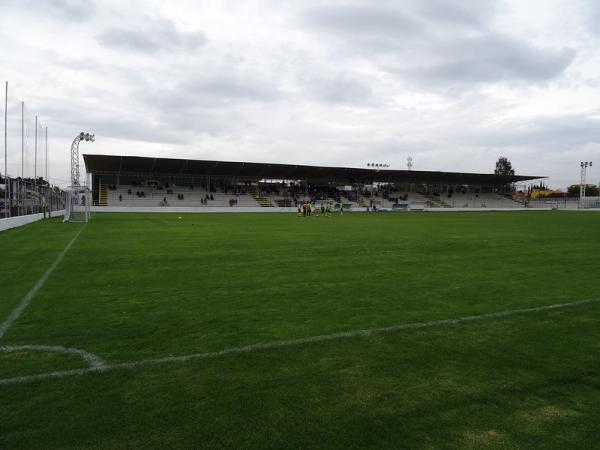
<point>75,155</point>
<point>378,166</point>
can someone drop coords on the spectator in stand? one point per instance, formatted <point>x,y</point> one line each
<point>120,198</point>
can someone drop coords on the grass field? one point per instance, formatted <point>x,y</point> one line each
<point>243,331</point>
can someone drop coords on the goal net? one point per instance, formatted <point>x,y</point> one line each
<point>77,204</point>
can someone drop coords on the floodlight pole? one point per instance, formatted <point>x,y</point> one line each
<point>582,186</point>
<point>75,156</point>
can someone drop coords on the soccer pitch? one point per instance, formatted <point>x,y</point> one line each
<point>399,330</point>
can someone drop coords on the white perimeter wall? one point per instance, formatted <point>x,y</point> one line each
<point>14,222</point>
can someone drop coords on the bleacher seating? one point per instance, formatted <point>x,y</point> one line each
<point>478,200</point>
<point>175,196</point>
<point>279,195</point>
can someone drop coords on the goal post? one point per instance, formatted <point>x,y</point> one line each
<point>77,204</point>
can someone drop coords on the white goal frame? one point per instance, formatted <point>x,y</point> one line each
<point>78,200</point>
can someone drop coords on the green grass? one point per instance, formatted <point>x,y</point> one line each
<point>137,286</point>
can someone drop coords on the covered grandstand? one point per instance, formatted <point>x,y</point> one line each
<point>133,181</point>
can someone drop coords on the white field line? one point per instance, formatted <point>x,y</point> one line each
<point>93,360</point>
<point>292,342</point>
<point>26,300</point>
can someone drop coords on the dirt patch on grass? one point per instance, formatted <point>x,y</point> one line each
<point>555,411</point>
<point>483,437</point>
<point>549,412</point>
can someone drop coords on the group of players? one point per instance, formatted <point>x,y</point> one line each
<point>307,208</point>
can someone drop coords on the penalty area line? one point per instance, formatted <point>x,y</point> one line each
<point>26,300</point>
<point>293,342</point>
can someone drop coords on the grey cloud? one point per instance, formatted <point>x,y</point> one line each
<point>163,112</point>
<point>491,58</point>
<point>74,9</point>
<point>558,132</point>
<point>562,133</point>
<point>151,36</point>
<point>467,13</point>
<point>211,105</point>
<point>592,14</point>
<point>224,89</point>
<point>217,91</point>
<point>106,123</point>
<point>67,9</point>
<point>340,89</point>
<point>434,41</point>
<point>361,20</point>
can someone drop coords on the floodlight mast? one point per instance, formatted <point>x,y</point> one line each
<point>75,155</point>
<point>582,186</point>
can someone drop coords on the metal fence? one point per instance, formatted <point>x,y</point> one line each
<point>19,197</point>
<point>569,203</point>
<point>27,191</point>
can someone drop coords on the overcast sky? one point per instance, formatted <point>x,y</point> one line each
<point>452,83</point>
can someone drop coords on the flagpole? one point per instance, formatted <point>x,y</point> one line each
<point>6,182</point>
<point>22,140</point>
<point>46,145</point>
<point>37,197</point>
<point>35,151</point>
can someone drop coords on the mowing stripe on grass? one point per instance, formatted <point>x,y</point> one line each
<point>294,342</point>
<point>26,300</point>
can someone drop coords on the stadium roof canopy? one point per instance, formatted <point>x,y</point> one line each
<point>138,165</point>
